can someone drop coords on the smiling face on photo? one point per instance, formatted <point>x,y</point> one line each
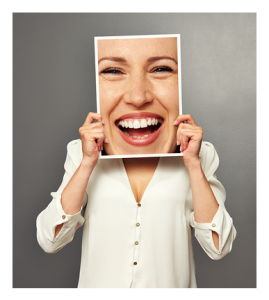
<point>138,90</point>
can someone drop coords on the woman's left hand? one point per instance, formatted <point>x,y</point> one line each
<point>189,137</point>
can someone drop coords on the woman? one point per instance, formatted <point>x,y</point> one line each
<point>139,211</point>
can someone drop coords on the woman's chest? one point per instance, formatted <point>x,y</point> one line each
<point>167,190</point>
<point>139,183</point>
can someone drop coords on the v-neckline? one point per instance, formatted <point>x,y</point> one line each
<point>129,184</point>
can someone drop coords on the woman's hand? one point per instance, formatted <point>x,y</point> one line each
<point>92,137</point>
<point>205,205</point>
<point>189,137</point>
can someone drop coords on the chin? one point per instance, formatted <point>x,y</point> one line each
<point>121,147</point>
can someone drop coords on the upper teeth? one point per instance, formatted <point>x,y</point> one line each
<point>139,123</point>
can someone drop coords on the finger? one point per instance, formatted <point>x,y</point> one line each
<point>178,137</point>
<point>181,128</point>
<point>184,138</point>
<point>99,143</point>
<point>185,126</point>
<point>185,118</point>
<point>184,142</point>
<point>89,130</point>
<point>99,139</point>
<point>97,133</point>
<point>93,116</point>
<point>93,126</point>
<point>95,137</point>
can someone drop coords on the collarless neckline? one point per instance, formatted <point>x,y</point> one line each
<point>127,182</point>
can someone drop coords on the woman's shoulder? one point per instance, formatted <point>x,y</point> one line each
<point>75,144</point>
<point>208,156</point>
<point>74,151</point>
<point>206,149</point>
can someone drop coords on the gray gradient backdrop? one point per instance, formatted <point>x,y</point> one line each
<point>54,89</point>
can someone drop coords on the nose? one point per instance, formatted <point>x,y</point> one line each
<point>138,90</point>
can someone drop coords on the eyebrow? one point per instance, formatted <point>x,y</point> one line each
<point>113,58</point>
<point>155,58</point>
<point>123,60</point>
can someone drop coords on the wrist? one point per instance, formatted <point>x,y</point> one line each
<point>87,165</point>
<point>193,164</point>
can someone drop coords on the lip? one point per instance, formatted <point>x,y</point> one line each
<point>143,141</point>
<point>139,116</point>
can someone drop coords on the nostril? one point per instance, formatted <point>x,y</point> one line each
<point>138,96</point>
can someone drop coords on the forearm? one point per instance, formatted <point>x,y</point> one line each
<point>72,195</point>
<point>74,191</point>
<point>205,204</point>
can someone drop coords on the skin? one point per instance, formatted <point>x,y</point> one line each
<point>142,94</point>
<point>141,77</point>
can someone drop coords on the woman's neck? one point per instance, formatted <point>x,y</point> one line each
<point>140,172</point>
<point>141,164</point>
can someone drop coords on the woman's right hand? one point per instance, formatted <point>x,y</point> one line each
<point>92,138</point>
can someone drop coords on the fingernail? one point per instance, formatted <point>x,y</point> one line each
<point>106,140</point>
<point>178,142</point>
<point>181,148</point>
<point>175,123</point>
<point>101,147</point>
<point>103,121</point>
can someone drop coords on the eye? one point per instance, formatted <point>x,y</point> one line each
<point>162,69</point>
<point>111,71</point>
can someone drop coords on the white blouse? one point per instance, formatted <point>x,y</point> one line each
<point>125,244</point>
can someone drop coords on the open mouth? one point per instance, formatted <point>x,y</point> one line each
<point>138,129</point>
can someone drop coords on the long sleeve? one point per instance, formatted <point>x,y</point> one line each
<point>222,223</point>
<point>54,214</point>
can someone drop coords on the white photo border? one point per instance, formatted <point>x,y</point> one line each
<point>179,86</point>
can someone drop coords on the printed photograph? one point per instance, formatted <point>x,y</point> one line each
<point>139,94</point>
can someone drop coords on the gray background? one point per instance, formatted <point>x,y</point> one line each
<point>54,89</point>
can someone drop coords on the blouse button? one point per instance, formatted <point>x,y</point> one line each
<point>136,243</point>
<point>213,225</point>
<point>139,204</point>
<point>63,216</point>
<point>135,263</point>
<point>137,224</point>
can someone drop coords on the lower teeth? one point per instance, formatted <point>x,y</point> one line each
<point>137,137</point>
<point>140,137</point>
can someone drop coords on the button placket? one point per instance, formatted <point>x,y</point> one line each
<point>137,236</point>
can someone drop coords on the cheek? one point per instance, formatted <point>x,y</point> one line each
<point>168,96</point>
<point>107,100</point>
<point>108,106</point>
